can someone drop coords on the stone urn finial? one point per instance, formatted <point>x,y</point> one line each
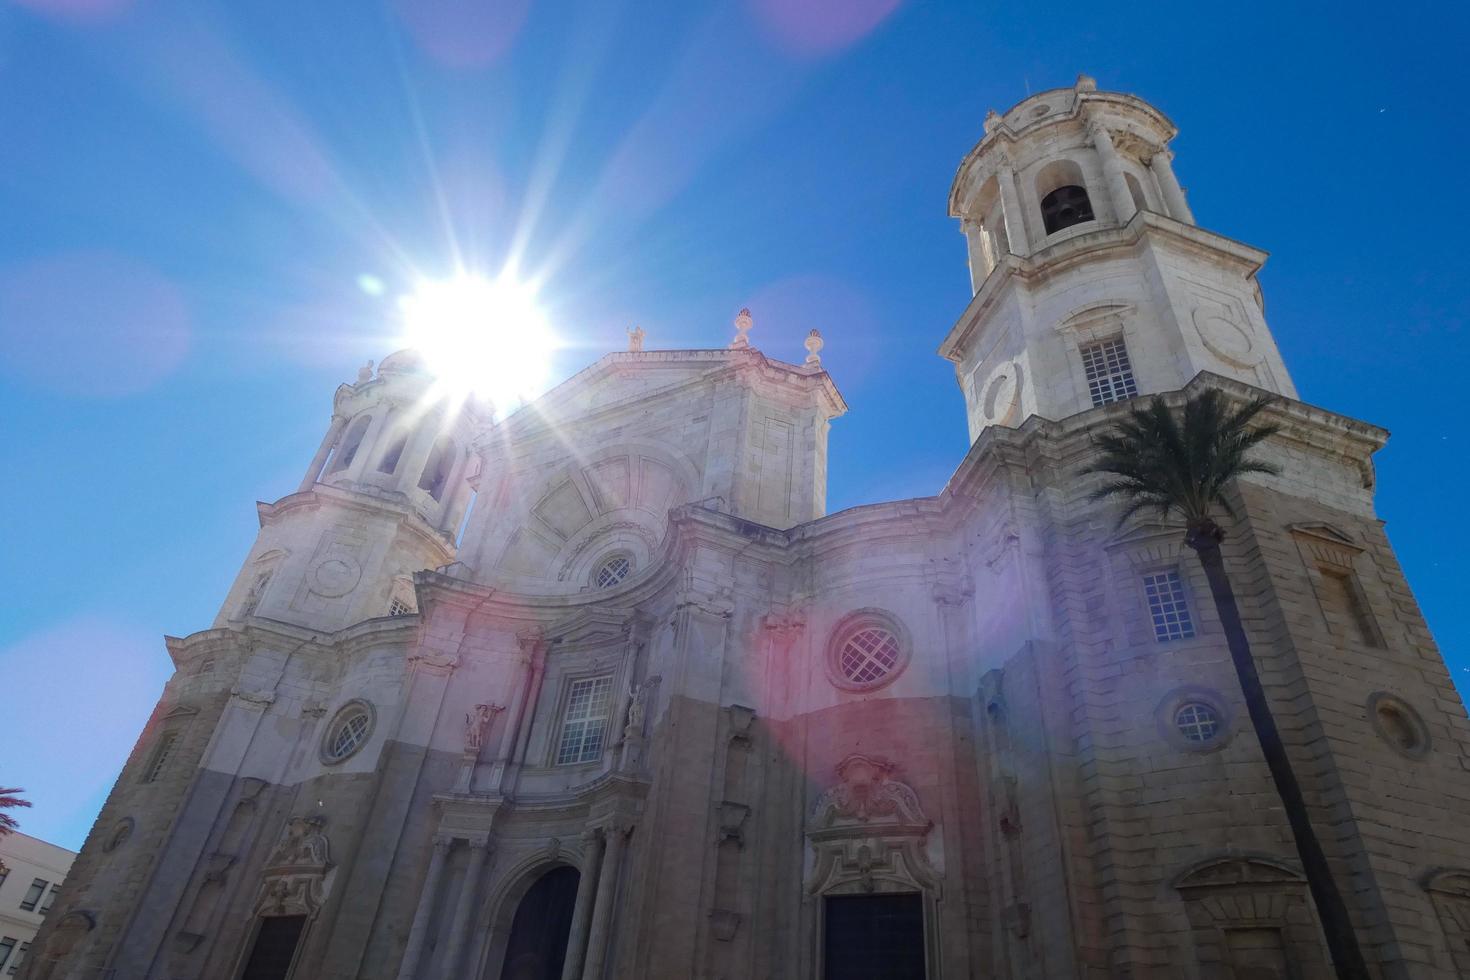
<point>814,345</point>
<point>743,323</point>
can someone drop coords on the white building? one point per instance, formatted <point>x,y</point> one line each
<point>31,874</point>
<point>657,715</point>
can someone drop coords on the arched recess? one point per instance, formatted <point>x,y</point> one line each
<point>1251,914</point>
<point>1061,192</point>
<point>518,947</point>
<point>617,499</point>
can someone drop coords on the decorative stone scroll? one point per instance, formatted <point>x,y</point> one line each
<point>298,872</point>
<point>870,833</point>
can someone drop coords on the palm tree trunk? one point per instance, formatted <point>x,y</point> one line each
<point>1342,942</point>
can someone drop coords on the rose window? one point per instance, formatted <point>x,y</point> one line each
<point>869,655</point>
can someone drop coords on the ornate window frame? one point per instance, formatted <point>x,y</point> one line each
<point>848,627</point>
<point>328,757</point>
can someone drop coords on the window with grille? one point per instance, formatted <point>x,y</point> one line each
<point>584,724</point>
<point>612,571</point>
<point>868,655</point>
<point>399,608</point>
<point>1167,606</point>
<point>347,733</point>
<point>33,894</point>
<point>1109,373</point>
<point>166,743</point>
<point>1197,721</point>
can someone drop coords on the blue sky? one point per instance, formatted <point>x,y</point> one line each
<point>190,191</point>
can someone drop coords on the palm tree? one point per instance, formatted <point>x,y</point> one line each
<point>1155,463</point>
<point>10,800</point>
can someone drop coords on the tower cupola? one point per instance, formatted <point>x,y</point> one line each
<point>1091,281</point>
<point>383,497</point>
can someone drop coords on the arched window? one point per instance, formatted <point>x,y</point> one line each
<point>1065,207</point>
<point>436,471</point>
<point>347,448</point>
<point>390,459</point>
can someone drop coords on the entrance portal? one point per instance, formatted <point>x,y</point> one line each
<point>874,937</point>
<point>537,946</point>
<point>274,948</point>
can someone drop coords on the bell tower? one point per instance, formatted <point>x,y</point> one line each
<point>383,497</point>
<point>1092,282</point>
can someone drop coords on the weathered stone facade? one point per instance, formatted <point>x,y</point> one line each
<point>656,715</point>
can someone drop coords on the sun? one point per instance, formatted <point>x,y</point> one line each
<point>482,337</point>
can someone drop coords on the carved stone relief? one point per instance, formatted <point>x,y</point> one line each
<point>869,830</point>
<point>297,873</point>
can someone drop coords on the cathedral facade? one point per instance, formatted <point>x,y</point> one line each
<point>650,712</point>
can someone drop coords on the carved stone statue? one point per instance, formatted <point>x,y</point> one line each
<point>365,373</point>
<point>635,339</point>
<point>638,706</point>
<point>476,725</point>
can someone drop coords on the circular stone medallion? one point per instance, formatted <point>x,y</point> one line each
<point>333,577</point>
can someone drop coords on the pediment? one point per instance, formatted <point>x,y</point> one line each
<point>1153,543</point>
<point>1448,881</point>
<point>1327,533</point>
<point>180,711</point>
<point>592,628</point>
<point>1326,543</point>
<point>1237,870</point>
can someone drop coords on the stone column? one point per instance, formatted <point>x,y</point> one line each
<point>1010,205</point>
<point>369,450</point>
<point>1169,185</point>
<point>980,263</point>
<point>1112,167</point>
<point>465,908</point>
<point>416,451</point>
<point>314,471</point>
<point>419,932</point>
<point>522,709</point>
<point>592,846</point>
<point>602,909</point>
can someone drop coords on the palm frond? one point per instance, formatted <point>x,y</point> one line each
<point>1165,460</point>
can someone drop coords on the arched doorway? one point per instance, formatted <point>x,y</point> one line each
<point>537,946</point>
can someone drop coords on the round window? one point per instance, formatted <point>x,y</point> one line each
<point>1194,719</point>
<point>868,652</point>
<point>1197,722</point>
<point>348,732</point>
<point>1399,725</point>
<point>612,571</point>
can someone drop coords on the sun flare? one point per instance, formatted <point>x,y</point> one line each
<point>486,337</point>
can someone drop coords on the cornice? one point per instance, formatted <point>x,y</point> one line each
<point>407,515</point>
<point>1089,247</point>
